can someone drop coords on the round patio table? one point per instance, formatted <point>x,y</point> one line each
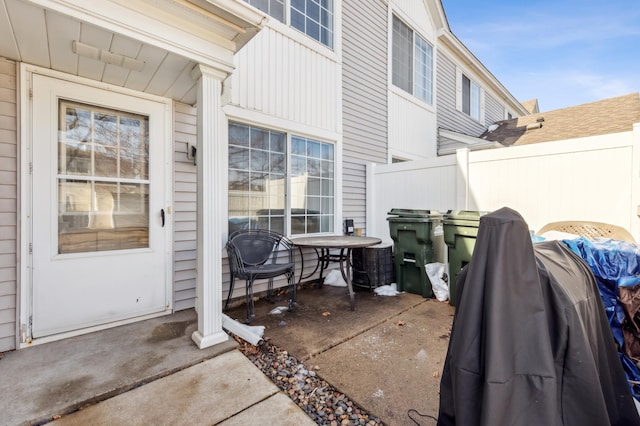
<point>344,243</point>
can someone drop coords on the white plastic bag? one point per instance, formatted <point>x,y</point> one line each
<point>335,279</point>
<point>440,287</point>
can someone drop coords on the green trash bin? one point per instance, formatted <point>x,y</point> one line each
<point>460,232</point>
<point>411,231</point>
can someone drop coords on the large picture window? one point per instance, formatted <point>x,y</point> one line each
<point>285,184</point>
<point>312,17</point>
<point>412,62</point>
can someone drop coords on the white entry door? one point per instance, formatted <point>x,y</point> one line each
<point>100,207</point>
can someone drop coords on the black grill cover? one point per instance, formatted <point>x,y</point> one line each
<point>530,343</point>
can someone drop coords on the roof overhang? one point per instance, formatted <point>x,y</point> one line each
<point>197,29</point>
<point>170,36</point>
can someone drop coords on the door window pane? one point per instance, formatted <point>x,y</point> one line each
<point>102,182</point>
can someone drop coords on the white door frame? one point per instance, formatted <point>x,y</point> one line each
<point>25,219</point>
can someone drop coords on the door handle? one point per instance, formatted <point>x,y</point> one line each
<point>162,216</point>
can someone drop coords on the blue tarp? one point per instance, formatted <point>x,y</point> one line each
<point>614,264</point>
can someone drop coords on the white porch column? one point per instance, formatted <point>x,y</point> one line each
<point>211,158</point>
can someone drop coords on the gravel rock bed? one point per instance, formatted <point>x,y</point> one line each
<point>321,401</point>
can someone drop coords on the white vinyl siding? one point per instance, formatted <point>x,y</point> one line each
<point>8,205</point>
<point>272,72</point>
<point>365,80</point>
<point>184,209</point>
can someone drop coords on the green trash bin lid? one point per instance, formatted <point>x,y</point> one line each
<point>463,217</point>
<point>413,213</point>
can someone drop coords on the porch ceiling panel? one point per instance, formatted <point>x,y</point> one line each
<point>168,36</point>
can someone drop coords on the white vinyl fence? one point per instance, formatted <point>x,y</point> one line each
<point>594,179</point>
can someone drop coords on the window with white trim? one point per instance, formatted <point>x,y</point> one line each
<point>470,98</point>
<point>312,17</point>
<point>412,62</point>
<point>260,178</point>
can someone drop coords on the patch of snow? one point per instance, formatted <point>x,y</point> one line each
<point>278,310</point>
<point>387,290</point>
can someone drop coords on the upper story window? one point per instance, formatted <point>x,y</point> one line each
<point>412,62</point>
<point>273,8</point>
<point>312,17</point>
<point>470,98</point>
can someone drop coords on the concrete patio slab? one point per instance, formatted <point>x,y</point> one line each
<point>205,394</point>
<point>323,319</point>
<point>60,377</point>
<point>276,410</point>
<point>383,356</point>
<point>395,367</point>
<point>387,355</point>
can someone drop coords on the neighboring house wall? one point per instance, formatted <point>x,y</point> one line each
<point>412,122</point>
<point>448,115</point>
<point>8,204</point>
<point>364,84</point>
<point>494,104</point>
<point>493,110</point>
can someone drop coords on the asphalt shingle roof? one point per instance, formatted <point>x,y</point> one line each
<point>612,115</point>
<point>531,106</point>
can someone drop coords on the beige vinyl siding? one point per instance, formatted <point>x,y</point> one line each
<point>364,91</point>
<point>8,204</point>
<point>448,117</point>
<point>184,208</point>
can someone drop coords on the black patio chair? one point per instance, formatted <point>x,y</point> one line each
<point>260,254</point>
